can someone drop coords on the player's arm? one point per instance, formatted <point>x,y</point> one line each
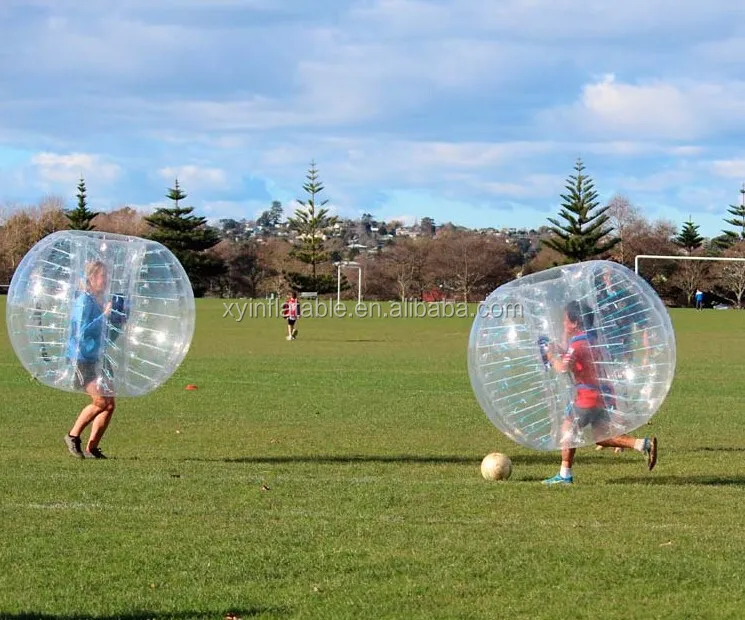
<point>89,317</point>
<point>558,358</point>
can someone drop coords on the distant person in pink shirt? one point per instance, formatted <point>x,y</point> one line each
<point>291,312</point>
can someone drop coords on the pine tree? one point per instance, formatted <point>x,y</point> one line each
<point>81,217</point>
<point>730,237</point>
<point>311,222</point>
<point>188,237</point>
<point>689,239</point>
<point>585,232</point>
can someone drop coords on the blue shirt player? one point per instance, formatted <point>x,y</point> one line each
<point>85,353</point>
<point>86,337</point>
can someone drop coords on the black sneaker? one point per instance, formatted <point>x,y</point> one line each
<point>73,445</point>
<point>94,453</point>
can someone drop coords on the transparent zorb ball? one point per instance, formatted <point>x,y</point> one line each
<point>123,333</point>
<point>627,330</point>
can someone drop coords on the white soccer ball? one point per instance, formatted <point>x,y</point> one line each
<point>496,466</point>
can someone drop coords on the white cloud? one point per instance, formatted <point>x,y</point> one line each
<point>232,209</point>
<point>529,186</point>
<point>729,168</point>
<point>631,148</point>
<point>131,5</point>
<point>655,109</point>
<point>657,181</point>
<point>67,169</point>
<point>338,83</point>
<point>107,45</point>
<point>721,52</point>
<point>550,20</point>
<point>685,151</point>
<point>355,162</point>
<point>467,154</point>
<point>195,176</point>
<point>433,99</point>
<point>705,199</point>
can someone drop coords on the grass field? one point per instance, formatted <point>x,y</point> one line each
<point>337,476</point>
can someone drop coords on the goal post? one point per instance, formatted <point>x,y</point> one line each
<point>352,265</point>
<point>661,257</point>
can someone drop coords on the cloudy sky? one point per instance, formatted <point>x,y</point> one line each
<point>471,111</point>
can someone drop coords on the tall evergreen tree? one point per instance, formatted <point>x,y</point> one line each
<point>188,237</point>
<point>311,221</point>
<point>730,237</point>
<point>585,231</point>
<point>81,217</point>
<point>689,239</point>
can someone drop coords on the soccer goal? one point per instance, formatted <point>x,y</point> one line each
<point>350,265</point>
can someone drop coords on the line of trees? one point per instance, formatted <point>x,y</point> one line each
<point>618,231</point>
<point>452,262</point>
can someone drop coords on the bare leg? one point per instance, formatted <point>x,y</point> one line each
<point>90,412</point>
<point>567,457</point>
<point>646,446</point>
<point>100,424</point>
<point>622,441</point>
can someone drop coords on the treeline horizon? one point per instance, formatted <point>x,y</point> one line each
<point>444,262</point>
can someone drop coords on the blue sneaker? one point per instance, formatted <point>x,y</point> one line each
<point>559,479</point>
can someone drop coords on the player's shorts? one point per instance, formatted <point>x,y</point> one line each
<point>588,415</point>
<point>86,372</point>
<point>291,322</point>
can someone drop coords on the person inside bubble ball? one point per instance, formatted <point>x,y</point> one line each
<point>626,321</point>
<point>85,353</point>
<point>291,312</point>
<point>589,404</point>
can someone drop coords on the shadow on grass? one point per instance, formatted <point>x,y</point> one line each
<point>554,458</point>
<point>714,481</point>
<point>149,615</point>
<point>519,459</point>
<point>349,340</point>
<point>719,449</point>
<point>352,458</point>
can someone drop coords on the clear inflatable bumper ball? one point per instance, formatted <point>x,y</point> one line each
<point>627,336</point>
<point>93,310</point>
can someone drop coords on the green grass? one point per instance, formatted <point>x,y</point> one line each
<point>369,439</point>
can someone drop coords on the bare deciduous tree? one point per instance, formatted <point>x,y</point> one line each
<point>472,264</point>
<point>624,216</point>
<point>23,227</point>
<point>122,221</point>
<point>463,261</point>
<point>546,258</point>
<point>691,275</point>
<point>244,268</point>
<point>404,263</point>
<point>730,276</point>
<point>275,261</point>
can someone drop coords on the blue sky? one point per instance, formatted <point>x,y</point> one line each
<point>470,111</point>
